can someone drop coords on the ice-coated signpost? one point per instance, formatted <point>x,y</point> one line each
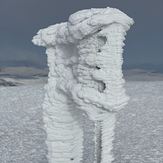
<point>85,73</point>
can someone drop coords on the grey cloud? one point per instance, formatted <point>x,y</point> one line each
<point>21,19</point>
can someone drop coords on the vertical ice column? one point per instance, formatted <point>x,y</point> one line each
<point>64,135</point>
<point>85,72</point>
<point>99,72</point>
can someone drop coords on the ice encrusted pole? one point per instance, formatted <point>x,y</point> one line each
<point>85,72</point>
<point>64,135</point>
<point>99,72</point>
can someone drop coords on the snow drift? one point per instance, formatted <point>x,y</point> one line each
<point>85,72</point>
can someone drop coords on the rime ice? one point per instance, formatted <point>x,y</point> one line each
<point>85,72</point>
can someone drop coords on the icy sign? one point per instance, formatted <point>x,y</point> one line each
<point>85,73</point>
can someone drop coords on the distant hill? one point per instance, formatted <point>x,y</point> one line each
<point>14,76</point>
<point>23,72</point>
<point>142,75</point>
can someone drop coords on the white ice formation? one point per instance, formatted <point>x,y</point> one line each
<point>85,72</point>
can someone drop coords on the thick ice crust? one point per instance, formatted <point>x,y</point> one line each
<point>73,45</point>
<point>85,72</point>
<point>81,24</point>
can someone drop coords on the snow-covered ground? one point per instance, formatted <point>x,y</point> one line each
<point>139,129</point>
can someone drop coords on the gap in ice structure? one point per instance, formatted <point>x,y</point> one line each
<point>85,72</point>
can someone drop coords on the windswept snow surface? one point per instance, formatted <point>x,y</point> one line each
<point>139,128</point>
<point>22,139</point>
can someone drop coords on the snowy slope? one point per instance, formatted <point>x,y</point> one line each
<point>139,127</point>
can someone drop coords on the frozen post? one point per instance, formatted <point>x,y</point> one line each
<point>85,72</point>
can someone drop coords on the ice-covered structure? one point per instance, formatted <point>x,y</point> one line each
<point>85,72</point>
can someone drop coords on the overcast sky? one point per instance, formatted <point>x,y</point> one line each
<point>21,19</point>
